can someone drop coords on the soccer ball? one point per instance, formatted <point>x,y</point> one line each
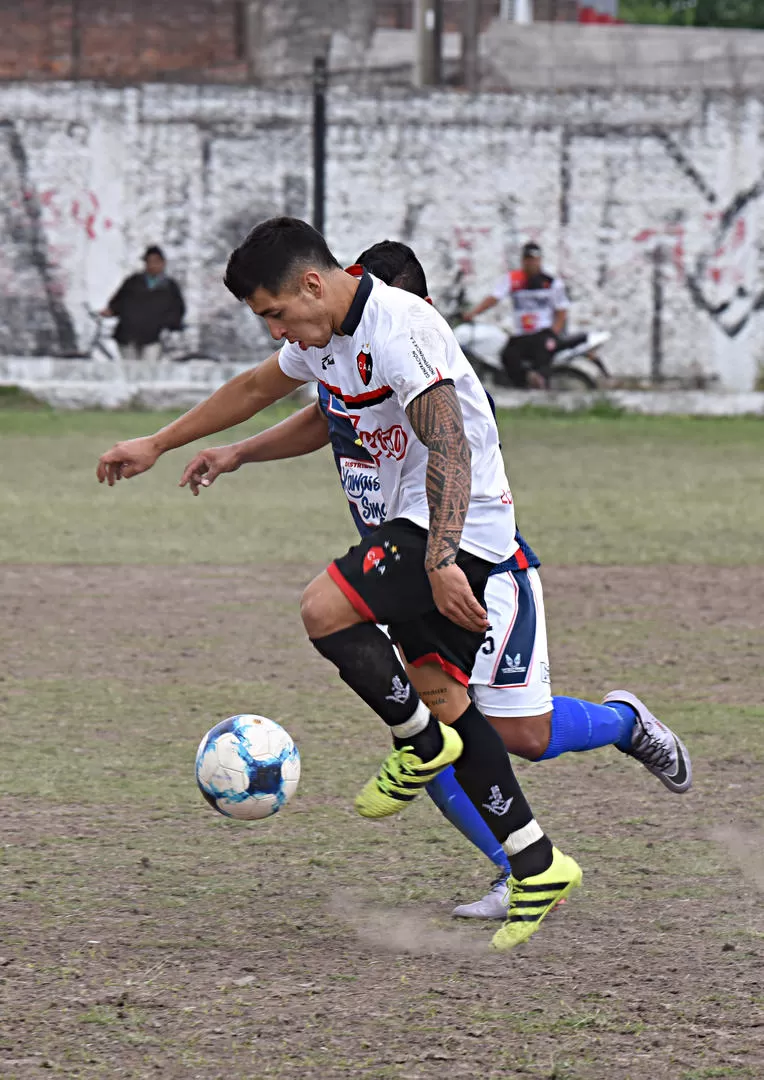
<point>247,767</point>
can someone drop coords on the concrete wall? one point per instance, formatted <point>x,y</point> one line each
<point>648,203</point>
<point>274,43</point>
<point>566,57</point>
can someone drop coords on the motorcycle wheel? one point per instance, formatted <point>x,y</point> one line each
<point>569,378</point>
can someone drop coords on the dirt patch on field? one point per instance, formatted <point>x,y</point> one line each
<point>143,937</point>
<point>704,624</point>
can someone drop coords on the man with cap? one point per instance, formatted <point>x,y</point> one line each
<point>540,306</point>
<point>146,304</point>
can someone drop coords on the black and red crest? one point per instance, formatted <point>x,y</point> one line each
<point>365,367</point>
<point>373,557</point>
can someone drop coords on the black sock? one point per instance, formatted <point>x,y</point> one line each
<point>427,744</point>
<point>486,774</point>
<point>367,662</point>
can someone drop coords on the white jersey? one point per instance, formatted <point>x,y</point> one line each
<point>393,346</point>
<point>534,302</point>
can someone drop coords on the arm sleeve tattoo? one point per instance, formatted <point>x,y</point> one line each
<point>436,417</point>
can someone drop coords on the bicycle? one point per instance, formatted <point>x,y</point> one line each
<point>102,346</point>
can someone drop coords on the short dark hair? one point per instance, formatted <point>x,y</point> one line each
<point>395,264</point>
<point>271,253</point>
<point>153,249</point>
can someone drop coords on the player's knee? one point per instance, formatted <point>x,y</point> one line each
<point>524,736</point>
<point>324,608</point>
<point>313,610</point>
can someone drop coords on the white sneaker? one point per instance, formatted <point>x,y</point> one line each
<point>494,905</point>
<point>661,752</point>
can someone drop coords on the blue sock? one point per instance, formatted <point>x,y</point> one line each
<point>451,799</point>
<point>581,725</point>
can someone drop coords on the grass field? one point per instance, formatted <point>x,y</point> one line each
<point>142,936</point>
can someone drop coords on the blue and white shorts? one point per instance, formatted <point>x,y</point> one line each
<point>511,672</point>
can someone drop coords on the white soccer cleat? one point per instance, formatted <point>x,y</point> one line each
<point>494,905</point>
<point>656,746</point>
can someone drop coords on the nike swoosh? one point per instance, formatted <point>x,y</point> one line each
<point>680,776</point>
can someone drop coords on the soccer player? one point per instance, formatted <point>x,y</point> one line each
<point>510,685</point>
<point>421,412</point>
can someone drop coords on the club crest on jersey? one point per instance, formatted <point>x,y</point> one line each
<point>365,367</point>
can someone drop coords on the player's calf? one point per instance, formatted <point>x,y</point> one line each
<point>486,774</point>
<point>366,661</point>
<point>524,736</point>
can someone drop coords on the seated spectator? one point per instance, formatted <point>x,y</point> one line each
<point>146,304</point>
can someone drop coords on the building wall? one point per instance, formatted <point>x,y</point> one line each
<point>208,40</point>
<point>179,40</point>
<point>133,39</point>
<point>648,203</point>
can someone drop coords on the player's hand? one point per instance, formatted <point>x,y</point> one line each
<point>208,465</point>
<point>455,599</point>
<point>127,459</point>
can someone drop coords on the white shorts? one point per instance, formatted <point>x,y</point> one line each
<point>511,673</point>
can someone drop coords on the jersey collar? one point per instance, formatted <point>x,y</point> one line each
<point>355,311</point>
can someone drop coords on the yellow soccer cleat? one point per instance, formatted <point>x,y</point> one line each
<point>402,776</point>
<point>531,900</point>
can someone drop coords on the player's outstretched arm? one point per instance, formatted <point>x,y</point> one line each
<point>236,401</point>
<point>485,304</point>
<point>301,433</point>
<point>436,417</point>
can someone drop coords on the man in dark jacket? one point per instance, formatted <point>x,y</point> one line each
<point>146,304</point>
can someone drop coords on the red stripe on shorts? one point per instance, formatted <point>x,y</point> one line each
<point>445,665</point>
<point>355,598</point>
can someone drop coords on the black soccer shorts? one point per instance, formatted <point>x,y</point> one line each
<point>384,579</point>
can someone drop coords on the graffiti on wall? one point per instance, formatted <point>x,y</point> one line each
<point>658,242</point>
<point>719,276</point>
<point>33,307</point>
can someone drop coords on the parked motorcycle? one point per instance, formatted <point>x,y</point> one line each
<point>575,365</point>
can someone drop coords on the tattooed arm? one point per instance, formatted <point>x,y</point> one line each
<point>436,418</point>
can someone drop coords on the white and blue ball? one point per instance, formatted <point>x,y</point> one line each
<point>247,767</point>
